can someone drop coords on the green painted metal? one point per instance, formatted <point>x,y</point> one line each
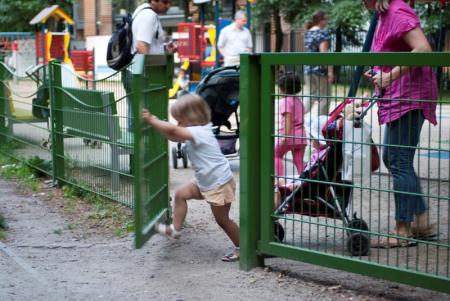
<point>250,90</point>
<point>151,156</point>
<point>358,59</point>
<point>323,241</point>
<point>3,101</point>
<point>266,125</point>
<point>357,266</point>
<point>56,120</point>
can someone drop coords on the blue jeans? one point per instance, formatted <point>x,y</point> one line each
<point>405,134</point>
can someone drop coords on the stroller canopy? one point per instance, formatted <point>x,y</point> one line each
<point>220,89</point>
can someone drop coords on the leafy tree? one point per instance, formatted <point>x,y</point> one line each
<point>16,15</point>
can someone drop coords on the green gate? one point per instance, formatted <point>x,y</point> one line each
<point>303,233</point>
<point>151,156</point>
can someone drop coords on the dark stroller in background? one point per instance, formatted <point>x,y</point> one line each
<point>325,194</point>
<point>220,89</point>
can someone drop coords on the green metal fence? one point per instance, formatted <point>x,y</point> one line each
<point>335,211</point>
<point>89,133</point>
<point>82,131</point>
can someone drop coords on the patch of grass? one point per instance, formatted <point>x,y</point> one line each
<point>57,231</point>
<point>12,169</point>
<point>101,210</point>
<point>3,227</point>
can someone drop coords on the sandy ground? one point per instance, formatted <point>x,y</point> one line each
<point>43,258</point>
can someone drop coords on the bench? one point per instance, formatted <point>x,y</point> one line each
<point>92,115</point>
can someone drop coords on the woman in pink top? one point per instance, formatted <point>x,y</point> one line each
<point>291,130</point>
<point>409,98</point>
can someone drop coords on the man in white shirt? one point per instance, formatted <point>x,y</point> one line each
<point>148,35</point>
<point>235,39</point>
<point>148,38</point>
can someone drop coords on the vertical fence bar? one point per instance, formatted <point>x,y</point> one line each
<point>267,152</point>
<point>56,120</point>
<point>250,108</point>
<point>3,101</point>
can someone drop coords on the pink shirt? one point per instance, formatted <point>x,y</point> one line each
<point>419,83</point>
<point>293,105</point>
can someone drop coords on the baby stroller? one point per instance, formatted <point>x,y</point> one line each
<point>325,194</point>
<point>220,89</point>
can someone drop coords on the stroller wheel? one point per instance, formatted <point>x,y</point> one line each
<point>358,244</point>
<point>185,159</point>
<point>359,224</point>
<point>278,232</point>
<point>174,157</point>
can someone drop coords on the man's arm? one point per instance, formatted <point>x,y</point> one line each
<point>142,47</point>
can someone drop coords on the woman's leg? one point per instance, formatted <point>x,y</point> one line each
<point>308,92</point>
<point>324,90</point>
<point>186,192</point>
<point>279,152</point>
<point>405,134</point>
<point>221,214</point>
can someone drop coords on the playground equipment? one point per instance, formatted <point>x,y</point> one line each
<point>53,39</point>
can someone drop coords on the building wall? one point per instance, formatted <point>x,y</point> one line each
<point>97,17</point>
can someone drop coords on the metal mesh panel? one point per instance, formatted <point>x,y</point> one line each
<point>330,197</point>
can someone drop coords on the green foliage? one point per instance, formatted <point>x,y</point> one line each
<point>39,167</point>
<point>433,16</point>
<point>3,224</point>
<point>16,15</point>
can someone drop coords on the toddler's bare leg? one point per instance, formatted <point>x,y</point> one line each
<point>221,214</point>
<point>186,192</point>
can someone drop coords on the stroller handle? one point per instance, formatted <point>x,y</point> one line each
<point>217,70</point>
<point>373,100</point>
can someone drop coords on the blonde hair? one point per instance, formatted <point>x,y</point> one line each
<point>192,109</point>
<point>382,5</point>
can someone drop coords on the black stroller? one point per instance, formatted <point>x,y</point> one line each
<point>320,190</point>
<point>220,89</point>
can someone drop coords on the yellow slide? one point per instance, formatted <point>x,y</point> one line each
<point>176,86</point>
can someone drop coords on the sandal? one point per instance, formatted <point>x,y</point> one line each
<point>392,242</point>
<point>424,233</point>
<point>232,256</point>
<point>162,229</point>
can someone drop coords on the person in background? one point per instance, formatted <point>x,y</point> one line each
<point>317,78</point>
<point>148,38</point>
<point>292,135</point>
<point>409,97</point>
<point>235,39</point>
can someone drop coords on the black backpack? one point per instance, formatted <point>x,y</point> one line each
<point>119,46</point>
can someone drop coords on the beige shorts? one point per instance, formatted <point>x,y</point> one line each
<point>221,195</point>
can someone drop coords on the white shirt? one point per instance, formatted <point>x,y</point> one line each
<point>235,41</point>
<point>145,25</point>
<point>211,167</point>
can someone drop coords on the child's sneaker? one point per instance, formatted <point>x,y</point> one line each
<point>167,230</point>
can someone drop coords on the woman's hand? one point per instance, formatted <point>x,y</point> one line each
<point>381,80</point>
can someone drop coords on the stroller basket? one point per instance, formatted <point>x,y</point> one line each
<point>227,142</point>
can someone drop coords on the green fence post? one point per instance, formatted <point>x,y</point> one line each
<point>250,103</point>
<point>3,102</point>
<point>56,119</point>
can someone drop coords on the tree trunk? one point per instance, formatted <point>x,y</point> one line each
<point>278,31</point>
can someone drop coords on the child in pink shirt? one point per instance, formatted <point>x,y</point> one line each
<point>291,133</point>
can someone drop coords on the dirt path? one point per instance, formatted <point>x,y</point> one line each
<point>46,257</point>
